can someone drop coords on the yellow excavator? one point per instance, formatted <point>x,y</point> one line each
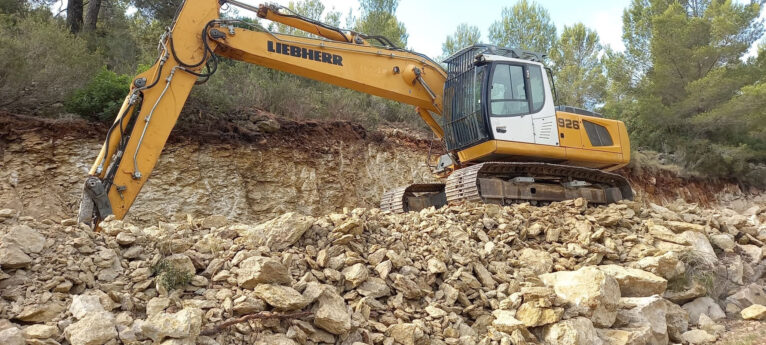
<point>492,108</point>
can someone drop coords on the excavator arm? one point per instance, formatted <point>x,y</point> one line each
<point>189,52</point>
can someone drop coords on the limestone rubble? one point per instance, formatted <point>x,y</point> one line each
<point>564,273</point>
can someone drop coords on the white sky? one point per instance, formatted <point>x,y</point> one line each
<point>428,22</point>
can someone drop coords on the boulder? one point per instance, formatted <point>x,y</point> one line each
<point>12,336</point>
<point>677,320</point>
<point>187,323</point>
<point>436,266</point>
<point>701,246</point>
<point>261,270</point>
<point>723,241</point>
<point>638,312</point>
<point>332,313</point>
<point>12,256</point>
<point>275,339</point>
<point>687,294</point>
<point>25,238</point>
<point>407,334</point>
<point>754,312</point>
<point>703,305</point>
<point>698,336</point>
<point>280,297</point>
<point>39,313</point>
<point>538,313</point>
<point>374,287</point>
<point>93,329</point>
<point>83,305</point>
<point>623,336</point>
<point>634,282</point>
<point>356,274</point>
<point>505,321</point>
<point>40,332</point>
<point>576,331</point>
<point>539,261</point>
<point>748,295</point>
<point>278,233</point>
<point>182,263</point>
<point>589,291</point>
<point>665,265</point>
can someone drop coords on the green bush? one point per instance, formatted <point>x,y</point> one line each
<point>102,97</point>
<point>41,64</point>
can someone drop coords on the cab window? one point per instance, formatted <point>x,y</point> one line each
<point>516,90</point>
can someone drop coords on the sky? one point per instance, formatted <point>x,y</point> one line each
<point>429,22</point>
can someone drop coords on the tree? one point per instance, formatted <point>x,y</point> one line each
<point>163,10</point>
<point>692,94</point>
<point>580,79</point>
<point>91,16</point>
<point>464,36</point>
<point>379,19</point>
<point>525,25</point>
<point>311,9</point>
<point>74,10</point>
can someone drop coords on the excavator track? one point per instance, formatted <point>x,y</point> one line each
<point>509,182</point>
<point>506,182</point>
<point>414,197</point>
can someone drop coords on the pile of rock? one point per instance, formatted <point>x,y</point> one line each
<point>564,273</point>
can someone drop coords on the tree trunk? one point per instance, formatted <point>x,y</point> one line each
<point>74,15</point>
<point>91,17</point>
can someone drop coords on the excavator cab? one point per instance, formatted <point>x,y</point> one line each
<point>497,93</point>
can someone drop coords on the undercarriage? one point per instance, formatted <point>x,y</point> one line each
<point>511,182</point>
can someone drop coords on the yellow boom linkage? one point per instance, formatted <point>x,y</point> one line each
<point>188,52</point>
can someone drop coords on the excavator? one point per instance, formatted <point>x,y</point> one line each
<point>491,107</point>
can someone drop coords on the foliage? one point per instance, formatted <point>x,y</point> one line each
<point>169,276</point>
<point>580,79</point>
<point>525,25</point>
<point>311,9</point>
<point>41,63</point>
<point>683,85</point>
<point>379,19</point>
<point>464,36</point>
<point>163,10</point>
<point>101,98</point>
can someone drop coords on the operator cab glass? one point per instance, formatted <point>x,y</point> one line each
<point>479,90</point>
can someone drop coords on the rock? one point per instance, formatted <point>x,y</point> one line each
<point>436,266</point>
<point>623,336</point>
<point>407,334</point>
<point>435,312</point>
<point>332,314</point>
<point>538,313</point>
<point>93,329</point>
<point>280,297</point>
<point>698,336</point>
<point>748,295</point>
<point>187,323</point>
<point>677,320</point>
<point>182,263</point>
<point>637,312</point>
<point>26,239</point>
<point>11,256</point>
<point>684,226</point>
<point>125,238</point>
<point>279,233</point>
<point>589,291</point>
<point>665,265</point>
<point>374,287</point>
<point>686,295</point>
<point>634,282</point>
<point>538,261</point>
<point>356,274</point>
<point>576,331</point>
<point>723,241</point>
<point>753,253</point>
<point>701,246</point>
<point>12,336</point>
<point>7,213</point>
<point>754,312</point>
<point>275,339</point>
<point>703,305</point>
<point>505,321</point>
<point>214,221</point>
<point>83,305</point>
<point>261,270</point>
<point>708,325</point>
<point>40,332</point>
<point>39,313</point>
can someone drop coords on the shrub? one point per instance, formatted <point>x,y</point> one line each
<point>102,97</point>
<point>41,64</point>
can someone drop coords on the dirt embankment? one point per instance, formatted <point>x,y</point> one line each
<point>245,173</point>
<point>254,169</point>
